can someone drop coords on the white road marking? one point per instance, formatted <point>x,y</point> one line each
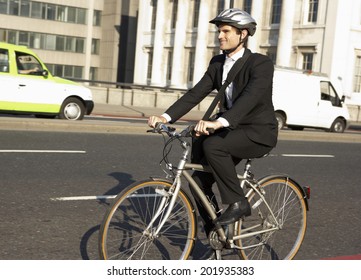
<point>91,197</point>
<point>305,155</point>
<point>43,151</point>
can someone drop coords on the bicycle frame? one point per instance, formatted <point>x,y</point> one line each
<point>182,170</point>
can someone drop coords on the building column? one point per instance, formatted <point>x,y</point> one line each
<point>158,66</point>
<point>201,61</point>
<point>140,72</point>
<point>88,42</point>
<point>257,10</point>
<point>178,68</point>
<point>284,49</point>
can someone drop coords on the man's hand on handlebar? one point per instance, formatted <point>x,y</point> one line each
<point>206,127</point>
<point>153,120</point>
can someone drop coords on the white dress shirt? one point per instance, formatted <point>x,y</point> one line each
<point>228,63</point>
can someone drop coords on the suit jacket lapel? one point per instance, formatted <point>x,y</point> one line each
<point>239,83</point>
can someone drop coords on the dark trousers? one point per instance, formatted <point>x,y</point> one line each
<point>222,151</point>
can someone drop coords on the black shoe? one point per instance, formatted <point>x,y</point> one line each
<point>210,254</point>
<point>234,212</point>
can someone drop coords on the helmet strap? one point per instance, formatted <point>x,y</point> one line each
<point>233,49</point>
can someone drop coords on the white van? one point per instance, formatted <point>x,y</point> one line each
<point>303,99</point>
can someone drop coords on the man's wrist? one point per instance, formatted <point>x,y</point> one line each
<point>165,118</point>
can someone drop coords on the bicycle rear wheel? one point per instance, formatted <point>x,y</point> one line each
<point>287,202</point>
<point>122,234</point>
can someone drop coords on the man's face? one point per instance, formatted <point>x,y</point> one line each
<point>228,37</point>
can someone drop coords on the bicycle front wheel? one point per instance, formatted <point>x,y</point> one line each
<point>277,236</point>
<point>123,233</point>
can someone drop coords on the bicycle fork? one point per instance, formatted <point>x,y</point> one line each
<point>173,193</point>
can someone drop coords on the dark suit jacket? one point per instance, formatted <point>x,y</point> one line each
<point>252,108</point>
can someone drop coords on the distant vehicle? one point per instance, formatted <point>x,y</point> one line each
<point>303,99</point>
<point>27,87</point>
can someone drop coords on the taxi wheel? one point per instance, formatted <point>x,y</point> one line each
<point>72,109</point>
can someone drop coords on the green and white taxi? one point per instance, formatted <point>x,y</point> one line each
<point>27,87</point>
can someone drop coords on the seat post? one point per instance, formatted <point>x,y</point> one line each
<point>247,169</point>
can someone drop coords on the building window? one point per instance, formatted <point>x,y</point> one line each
<point>2,35</point>
<point>191,60</point>
<point>81,16</point>
<point>247,6</point>
<point>220,6</point>
<point>169,66</point>
<point>23,38</point>
<point>154,14</point>
<point>276,11</point>
<point>25,8</point>
<point>96,18</point>
<point>272,54</point>
<point>51,12</point>
<point>40,10</point>
<point>312,10</point>
<point>60,43</point>
<point>93,73</point>
<point>95,46</point>
<point>37,10</point>
<point>79,46</point>
<point>67,71</point>
<point>47,41</point>
<point>3,6</point>
<point>174,14</point>
<point>307,61</point>
<point>150,64</point>
<point>14,8</point>
<point>197,4</point>
<point>357,77</point>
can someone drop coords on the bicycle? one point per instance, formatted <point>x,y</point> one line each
<point>156,219</point>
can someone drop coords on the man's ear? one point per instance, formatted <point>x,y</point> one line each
<point>244,33</point>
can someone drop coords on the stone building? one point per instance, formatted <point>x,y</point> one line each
<point>168,43</point>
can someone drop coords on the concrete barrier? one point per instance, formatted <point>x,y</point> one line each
<point>141,97</point>
<point>355,112</point>
<point>163,99</point>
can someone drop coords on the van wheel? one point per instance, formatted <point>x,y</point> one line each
<point>338,126</point>
<point>281,120</point>
<point>72,109</point>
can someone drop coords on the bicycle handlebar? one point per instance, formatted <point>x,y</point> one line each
<point>171,131</point>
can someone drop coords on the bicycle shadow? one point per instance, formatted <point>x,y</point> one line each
<point>89,241</point>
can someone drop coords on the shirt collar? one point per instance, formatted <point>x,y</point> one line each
<point>237,55</point>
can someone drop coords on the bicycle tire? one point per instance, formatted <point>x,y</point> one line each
<point>122,235</point>
<point>286,199</point>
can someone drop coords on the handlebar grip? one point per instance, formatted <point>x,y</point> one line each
<point>210,130</point>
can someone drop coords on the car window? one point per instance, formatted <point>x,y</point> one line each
<point>328,93</point>
<point>4,61</point>
<point>27,64</point>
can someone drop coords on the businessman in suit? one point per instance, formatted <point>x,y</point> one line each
<point>246,126</point>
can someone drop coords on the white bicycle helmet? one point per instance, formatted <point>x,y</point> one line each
<point>236,18</point>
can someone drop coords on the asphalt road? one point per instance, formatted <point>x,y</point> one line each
<point>49,180</point>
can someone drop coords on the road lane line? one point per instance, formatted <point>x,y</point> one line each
<point>307,155</point>
<point>43,151</point>
<point>75,198</point>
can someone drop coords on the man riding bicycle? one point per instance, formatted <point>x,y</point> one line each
<point>245,126</point>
